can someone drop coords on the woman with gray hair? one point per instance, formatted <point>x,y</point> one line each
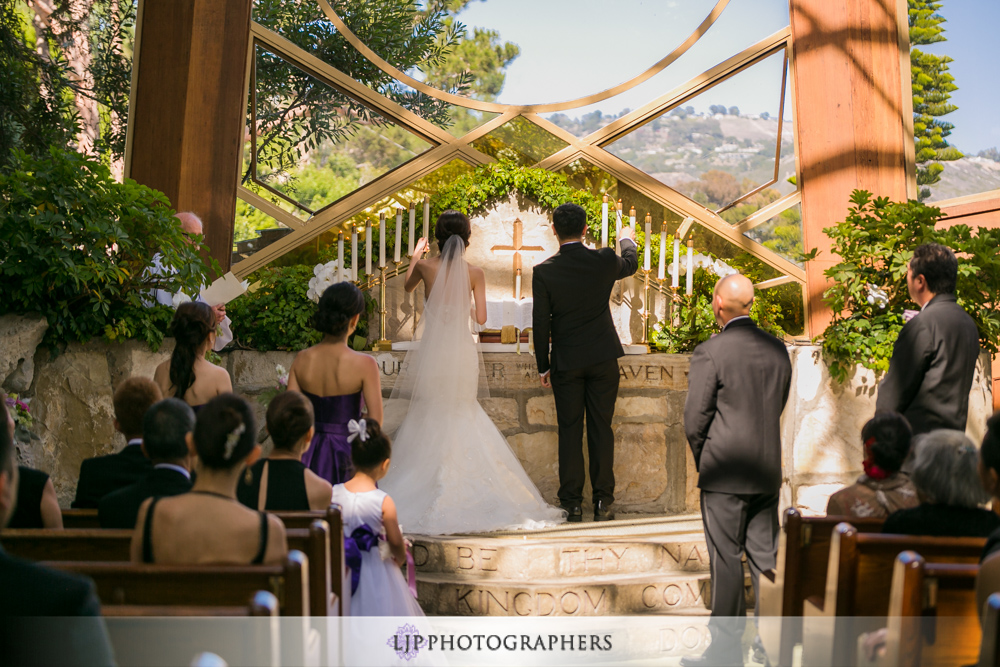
<point>946,474</point>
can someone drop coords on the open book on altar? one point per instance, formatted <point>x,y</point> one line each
<point>508,313</point>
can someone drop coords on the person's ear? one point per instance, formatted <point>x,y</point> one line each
<point>385,466</point>
<point>254,455</point>
<point>142,446</point>
<point>308,438</point>
<point>118,427</point>
<point>189,439</point>
<point>355,320</point>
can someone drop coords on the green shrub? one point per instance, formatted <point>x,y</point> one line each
<point>874,244</point>
<point>75,246</point>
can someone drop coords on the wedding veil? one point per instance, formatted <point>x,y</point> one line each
<point>444,368</point>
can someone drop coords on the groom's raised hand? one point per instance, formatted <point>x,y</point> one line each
<point>546,379</point>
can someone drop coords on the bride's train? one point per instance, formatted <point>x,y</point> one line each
<point>452,471</point>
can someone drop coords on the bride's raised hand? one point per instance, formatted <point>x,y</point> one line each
<point>421,248</point>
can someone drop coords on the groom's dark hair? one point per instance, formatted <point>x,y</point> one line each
<point>570,221</point>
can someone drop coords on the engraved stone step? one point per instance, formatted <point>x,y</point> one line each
<point>530,560</point>
<point>682,594</point>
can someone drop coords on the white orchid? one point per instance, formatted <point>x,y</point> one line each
<point>324,275</point>
<point>178,298</point>
<point>282,375</point>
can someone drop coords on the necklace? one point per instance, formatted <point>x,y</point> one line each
<point>213,493</point>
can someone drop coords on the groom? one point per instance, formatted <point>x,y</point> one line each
<point>571,291</point>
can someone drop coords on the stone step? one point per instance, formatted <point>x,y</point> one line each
<point>560,558</point>
<point>681,594</point>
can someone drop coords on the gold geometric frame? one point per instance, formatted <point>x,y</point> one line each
<point>445,147</point>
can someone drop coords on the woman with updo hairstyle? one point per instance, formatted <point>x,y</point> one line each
<point>187,375</point>
<point>281,482</point>
<point>338,381</point>
<point>208,525</point>
<point>450,223</point>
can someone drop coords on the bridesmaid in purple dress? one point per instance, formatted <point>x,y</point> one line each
<point>338,381</point>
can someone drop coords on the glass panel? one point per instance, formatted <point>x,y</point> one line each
<point>254,230</point>
<point>314,145</point>
<point>782,234</point>
<point>712,151</point>
<point>521,141</point>
<point>788,298</point>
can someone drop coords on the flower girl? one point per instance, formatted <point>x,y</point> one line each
<point>373,542</point>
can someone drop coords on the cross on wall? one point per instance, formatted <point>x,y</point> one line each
<point>515,249</point>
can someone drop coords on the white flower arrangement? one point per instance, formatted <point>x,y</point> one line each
<point>324,275</point>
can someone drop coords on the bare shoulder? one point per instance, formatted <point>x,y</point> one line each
<point>477,274</point>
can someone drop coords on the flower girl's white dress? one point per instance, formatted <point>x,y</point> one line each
<point>381,590</point>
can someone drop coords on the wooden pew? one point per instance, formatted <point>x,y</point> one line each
<point>932,614</point>
<point>803,551</point>
<point>315,543</point>
<point>858,581</point>
<point>80,519</point>
<point>989,654</point>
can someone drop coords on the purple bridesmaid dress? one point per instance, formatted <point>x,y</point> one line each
<point>329,456</point>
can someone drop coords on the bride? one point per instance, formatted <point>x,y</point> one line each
<point>452,471</point>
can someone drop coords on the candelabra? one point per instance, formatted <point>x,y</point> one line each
<point>381,279</point>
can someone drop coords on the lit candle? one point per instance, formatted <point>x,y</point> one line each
<point>647,241</point>
<point>368,247</point>
<point>690,275</point>
<point>604,223</point>
<point>427,218</point>
<point>413,226</point>
<point>661,272</point>
<point>618,221</point>
<point>399,232</point>
<point>354,253</point>
<point>631,218</point>
<point>381,240</point>
<point>517,285</point>
<point>340,257</point>
<point>675,274</point>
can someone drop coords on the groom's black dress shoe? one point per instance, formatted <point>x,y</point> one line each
<point>602,512</point>
<point>574,513</point>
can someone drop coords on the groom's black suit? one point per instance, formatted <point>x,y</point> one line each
<point>571,291</point>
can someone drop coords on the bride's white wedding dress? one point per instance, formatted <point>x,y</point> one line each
<point>452,471</point>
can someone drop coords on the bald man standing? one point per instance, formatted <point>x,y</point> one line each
<point>737,389</point>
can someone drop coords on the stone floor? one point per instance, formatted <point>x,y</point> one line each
<point>634,565</point>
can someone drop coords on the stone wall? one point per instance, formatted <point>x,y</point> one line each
<point>71,401</point>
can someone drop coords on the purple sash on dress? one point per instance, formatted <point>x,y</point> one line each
<point>362,539</point>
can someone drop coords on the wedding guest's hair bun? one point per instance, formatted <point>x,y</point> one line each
<point>370,452</point>
<point>192,324</point>
<point>452,223</point>
<point>339,303</point>
<point>225,432</point>
<point>289,418</point>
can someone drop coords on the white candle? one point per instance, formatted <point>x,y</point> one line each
<point>631,218</point>
<point>427,218</point>
<point>618,221</point>
<point>413,225</point>
<point>604,223</point>
<point>340,257</point>
<point>381,240</point>
<point>647,242</point>
<point>399,235</point>
<point>368,248</point>
<point>675,277</point>
<point>517,285</point>
<point>662,271</point>
<point>354,253</point>
<point>689,288</point>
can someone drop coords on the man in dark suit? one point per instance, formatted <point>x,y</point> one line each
<point>167,441</point>
<point>28,591</point>
<point>934,358</point>
<point>101,475</point>
<point>737,388</point>
<point>571,291</point>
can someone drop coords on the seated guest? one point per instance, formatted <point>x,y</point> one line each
<point>28,590</point>
<point>989,472</point>
<point>208,525</point>
<point>37,505</point>
<point>281,482</point>
<point>882,489</point>
<point>101,475</point>
<point>945,472</point>
<point>168,443</point>
<point>187,375</point>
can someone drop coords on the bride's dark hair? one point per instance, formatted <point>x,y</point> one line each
<point>452,223</point>
<point>192,324</point>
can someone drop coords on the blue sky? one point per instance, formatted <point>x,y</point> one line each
<point>572,48</point>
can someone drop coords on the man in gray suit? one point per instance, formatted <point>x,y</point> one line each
<point>737,389</point>
<point>934,358</point>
